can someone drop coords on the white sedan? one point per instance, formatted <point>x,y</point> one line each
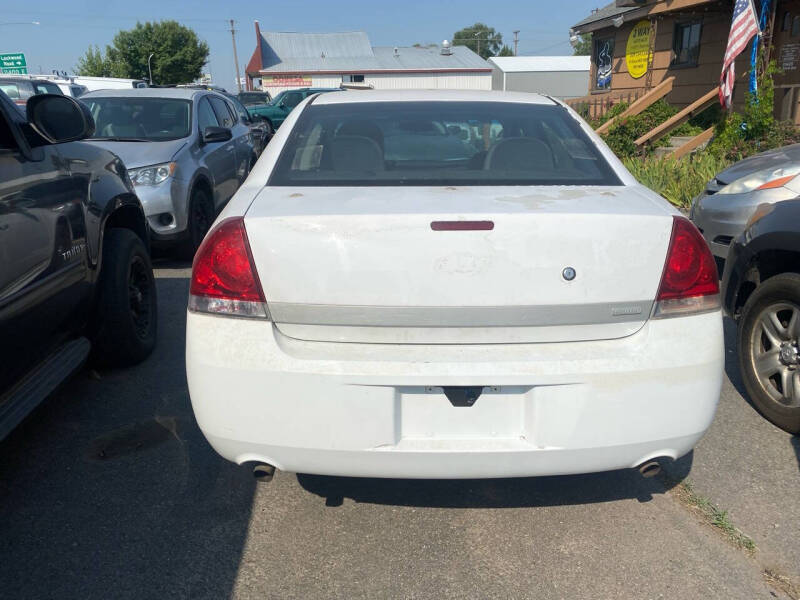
<point>444,284</point>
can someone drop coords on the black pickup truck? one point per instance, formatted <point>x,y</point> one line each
<point>75,272</point>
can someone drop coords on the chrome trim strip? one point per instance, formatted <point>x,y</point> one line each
<point>459,316</point>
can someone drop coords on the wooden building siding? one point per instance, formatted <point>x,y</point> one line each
<point>691,82</point>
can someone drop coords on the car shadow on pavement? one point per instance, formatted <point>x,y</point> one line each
<point>498,493</point>
<point>110,490</point>
<point>732,358</point>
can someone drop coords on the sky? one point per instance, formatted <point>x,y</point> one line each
<point>68,27</point>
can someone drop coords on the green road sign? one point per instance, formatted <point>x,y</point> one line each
<point>13,64</point>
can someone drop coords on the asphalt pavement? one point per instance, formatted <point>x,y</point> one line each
<point>109,490</point>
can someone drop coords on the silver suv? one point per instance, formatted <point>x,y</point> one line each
<point>186,151</point>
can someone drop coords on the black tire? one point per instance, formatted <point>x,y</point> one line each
<point>775,300</point>
<point>200,217</point>
<point>127,317</point>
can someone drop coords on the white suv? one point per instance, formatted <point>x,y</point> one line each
<point>388,297</point>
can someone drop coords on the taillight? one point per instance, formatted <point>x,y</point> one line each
<point>689,283</point>
<point>224,279</point>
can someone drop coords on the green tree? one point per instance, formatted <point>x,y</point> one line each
<point>94,64</point>
<point>178,54</point>
<point>505,51</point>
<point>583,47</point>
<point>479,38</point>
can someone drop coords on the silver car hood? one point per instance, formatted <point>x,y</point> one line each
<point>765,160</point>
<point>142,154</point>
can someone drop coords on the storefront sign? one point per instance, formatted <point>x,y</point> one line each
<point>637,52</point>
<point>286,81</point>
<point>790,57</point>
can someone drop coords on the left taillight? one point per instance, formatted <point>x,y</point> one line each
<point>224,278</point>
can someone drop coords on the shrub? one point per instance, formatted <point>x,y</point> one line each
<point>755,130</point>
<point>622,134</point>
<point>679,181</point>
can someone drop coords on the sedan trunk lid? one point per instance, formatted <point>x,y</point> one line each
<point>369,264</point>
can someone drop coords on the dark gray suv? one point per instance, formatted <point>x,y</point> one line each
<point>75,274</point>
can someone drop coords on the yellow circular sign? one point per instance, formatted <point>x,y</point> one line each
<point>637,52</point>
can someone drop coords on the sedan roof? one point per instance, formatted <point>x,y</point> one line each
<point>432,96</point>
<point>185,93</point>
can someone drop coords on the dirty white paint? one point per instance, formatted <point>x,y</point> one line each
<point>562,398</point>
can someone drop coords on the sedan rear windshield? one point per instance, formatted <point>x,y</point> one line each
<point>439,143</point>
<point>145,119</point>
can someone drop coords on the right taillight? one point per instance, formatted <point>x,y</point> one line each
<point>689,283</point>
<point>224,279</point>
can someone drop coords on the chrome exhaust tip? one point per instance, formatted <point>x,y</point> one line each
<point>651,468</point>
<point>263,472</point>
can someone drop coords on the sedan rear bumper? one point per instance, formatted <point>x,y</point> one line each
<point>378,410</point>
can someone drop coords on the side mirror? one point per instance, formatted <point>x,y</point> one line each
<point>216,134</point>
<point>59,118</point>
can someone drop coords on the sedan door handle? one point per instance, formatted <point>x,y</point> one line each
<point>229,148</point>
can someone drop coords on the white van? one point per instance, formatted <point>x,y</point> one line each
<point>109,83</point>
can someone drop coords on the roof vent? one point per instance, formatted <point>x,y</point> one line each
<point>396,51</point>
<point>446,49</point>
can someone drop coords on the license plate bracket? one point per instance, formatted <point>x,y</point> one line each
<point>463,396</point>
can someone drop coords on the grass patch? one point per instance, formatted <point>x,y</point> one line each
<point>715,516</point>
<point>679,181</point>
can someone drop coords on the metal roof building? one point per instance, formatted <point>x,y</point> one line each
<point>560,76</point>
<point>283,60</point>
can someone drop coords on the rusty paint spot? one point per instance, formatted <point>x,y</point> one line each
<point>296,195</point>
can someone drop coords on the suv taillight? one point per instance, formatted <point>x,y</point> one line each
<point>224,279</point>
<point>689,283</point>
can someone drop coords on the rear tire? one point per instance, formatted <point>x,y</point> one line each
<point>126,326</point>
<point>200,217</point>
<point>768,350</point>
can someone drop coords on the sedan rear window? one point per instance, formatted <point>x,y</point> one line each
<point>439,143</point>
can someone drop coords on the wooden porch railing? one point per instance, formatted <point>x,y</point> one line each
<point>692,144</point>
<point>658,92</point>
<point>595,107</point>
<point>680,118</point>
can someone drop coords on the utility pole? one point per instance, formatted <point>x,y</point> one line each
<point>236,58</point>
<point>516,41</point>
<point>479,42</point>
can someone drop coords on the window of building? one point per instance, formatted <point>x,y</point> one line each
<point>795,25</point>
<point>603,57</point>
<point>786,21</point>
<point>686,44</point>
<point>352,79</point>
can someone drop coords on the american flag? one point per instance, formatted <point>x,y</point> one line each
<point>743,27</point>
